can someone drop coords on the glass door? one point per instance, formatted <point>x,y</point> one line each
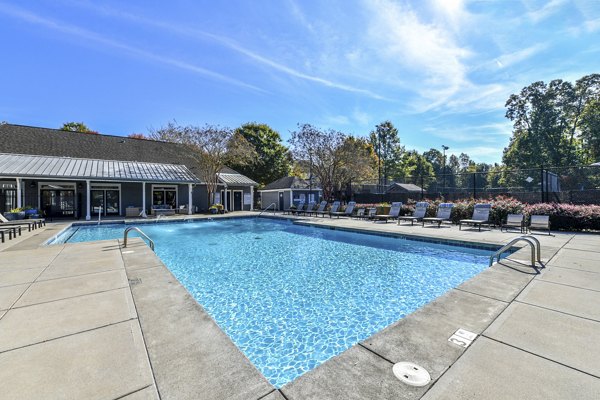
<point>58,202</point>
<point>112,202</point>
<point>97,201</point>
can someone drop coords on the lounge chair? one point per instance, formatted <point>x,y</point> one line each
<point>290,210</point>
<point>346,213</point>
<point>320,210</point>
<point>514,221</point>
<point>393,214</point>
<point>30,223</point>
<point>481,216</point>
<point>360,213</point>
<point>335,206</point>
<point>310,207</point>
<point>324,212</point>
<point>3,232</point>
<point>418,215</point>
<point>443,214</point>
<point>300,209</point>
<point>540,222</point>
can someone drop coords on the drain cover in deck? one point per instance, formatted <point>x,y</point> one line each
<point>411,374</point>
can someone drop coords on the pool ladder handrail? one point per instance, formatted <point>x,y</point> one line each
<point>533,242</point>
<point>138,230</point>
<point>269,206</point>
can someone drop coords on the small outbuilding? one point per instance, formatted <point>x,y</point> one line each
<point>404,188</point>
<point>287,191</point>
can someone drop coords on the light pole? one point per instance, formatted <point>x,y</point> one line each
<point>444,148</point>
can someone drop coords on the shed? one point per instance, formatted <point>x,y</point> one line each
<point>287,191</point>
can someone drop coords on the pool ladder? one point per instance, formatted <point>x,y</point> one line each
<point>138,230</point>
<point>533,242</point>
<point>269,206</point>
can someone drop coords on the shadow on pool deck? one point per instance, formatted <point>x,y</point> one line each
<point>92,320</point>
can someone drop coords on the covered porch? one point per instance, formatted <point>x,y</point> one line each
<point>84,188</point>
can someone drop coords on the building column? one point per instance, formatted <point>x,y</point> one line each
<point>224,199</point>
<point>251,198</point>
<point>88,215</point>
<point>291,198</point>
<point>144,197</point>
<point>19,200</point>
<point>190,205</point>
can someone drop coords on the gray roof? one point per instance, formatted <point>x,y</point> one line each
<point>20,139</point>
<point>236,179</point>
<point>403,187</point>
<point>34,166</point>
<point>290,182</point>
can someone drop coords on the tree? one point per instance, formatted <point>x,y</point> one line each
<point>417,169</point>
<point>590,132</point>
<point>212,147</point>
<point>137,136</point>
<point>386,142</point>
<point>77,127</point>
<point>358,162</point>
<point>436,159</point>
<point>331,156</point>
<point>548,122</point>
<point>273,159</point>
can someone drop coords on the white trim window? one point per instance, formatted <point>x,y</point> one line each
<point>165,195</point>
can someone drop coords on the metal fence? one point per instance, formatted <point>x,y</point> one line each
<point>576,185</point>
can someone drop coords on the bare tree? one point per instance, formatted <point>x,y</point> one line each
<point>332,157</point>
<point>212,147</point>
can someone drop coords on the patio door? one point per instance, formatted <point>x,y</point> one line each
<point>58,200</point>
<point>164,195</point>
<point>281,204</point>
<point>105,198</point>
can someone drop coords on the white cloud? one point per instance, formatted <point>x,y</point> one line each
<point>235,46</point>
<point>508,59</point>
<point>548,9</point>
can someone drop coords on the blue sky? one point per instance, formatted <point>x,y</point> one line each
<point>441,71</point>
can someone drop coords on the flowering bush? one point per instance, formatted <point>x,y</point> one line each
<point>568,216</point>
<point>562,216</point>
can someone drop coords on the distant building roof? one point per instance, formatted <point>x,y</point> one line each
<point>290,182</point>
<point>236,179</point>
<point>403,188</point>
<point>34,166</point>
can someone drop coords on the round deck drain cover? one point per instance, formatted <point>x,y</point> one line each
<point>411,374</point>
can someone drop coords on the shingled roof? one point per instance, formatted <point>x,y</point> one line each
<point>21,139</point>
<point>290,182</point>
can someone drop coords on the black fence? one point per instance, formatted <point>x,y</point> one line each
<point>576,185</point>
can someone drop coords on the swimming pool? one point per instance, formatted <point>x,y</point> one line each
<point>290,296</point>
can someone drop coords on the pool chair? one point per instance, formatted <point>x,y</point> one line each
<point>310,207</point>
<point>320,210</point>
<point>481,216</point>
<point>360,213</point>
<point>443,214</point>
<point>335,206</point>
<point>10,231</point>
<point>290,210</point>
<point>418,215</point>
<point>29,223</point>
<point>393,214</point>
<point>540,222</point>
<point>346,213</point>
<point>516,221</point>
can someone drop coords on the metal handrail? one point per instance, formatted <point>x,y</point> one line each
<point>539,246</point>
<point>269,206</point>
<point>138,230</point>
<point>527,239</point>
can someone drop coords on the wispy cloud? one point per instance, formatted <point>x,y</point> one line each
<point>506,60</point>
<point>232,45</point>
<point>548,9</point>
<point>90,36</point>
<point>425,50</point>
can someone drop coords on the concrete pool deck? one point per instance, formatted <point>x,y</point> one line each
<point>94,320</point>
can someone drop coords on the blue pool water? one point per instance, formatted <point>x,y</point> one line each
<point>291,297</point>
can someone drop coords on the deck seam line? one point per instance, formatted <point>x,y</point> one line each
<point>68,298</point>
<point>130,393</point>
<point>558,311</point>
<point>68,335</point>
<point>540,356</point>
